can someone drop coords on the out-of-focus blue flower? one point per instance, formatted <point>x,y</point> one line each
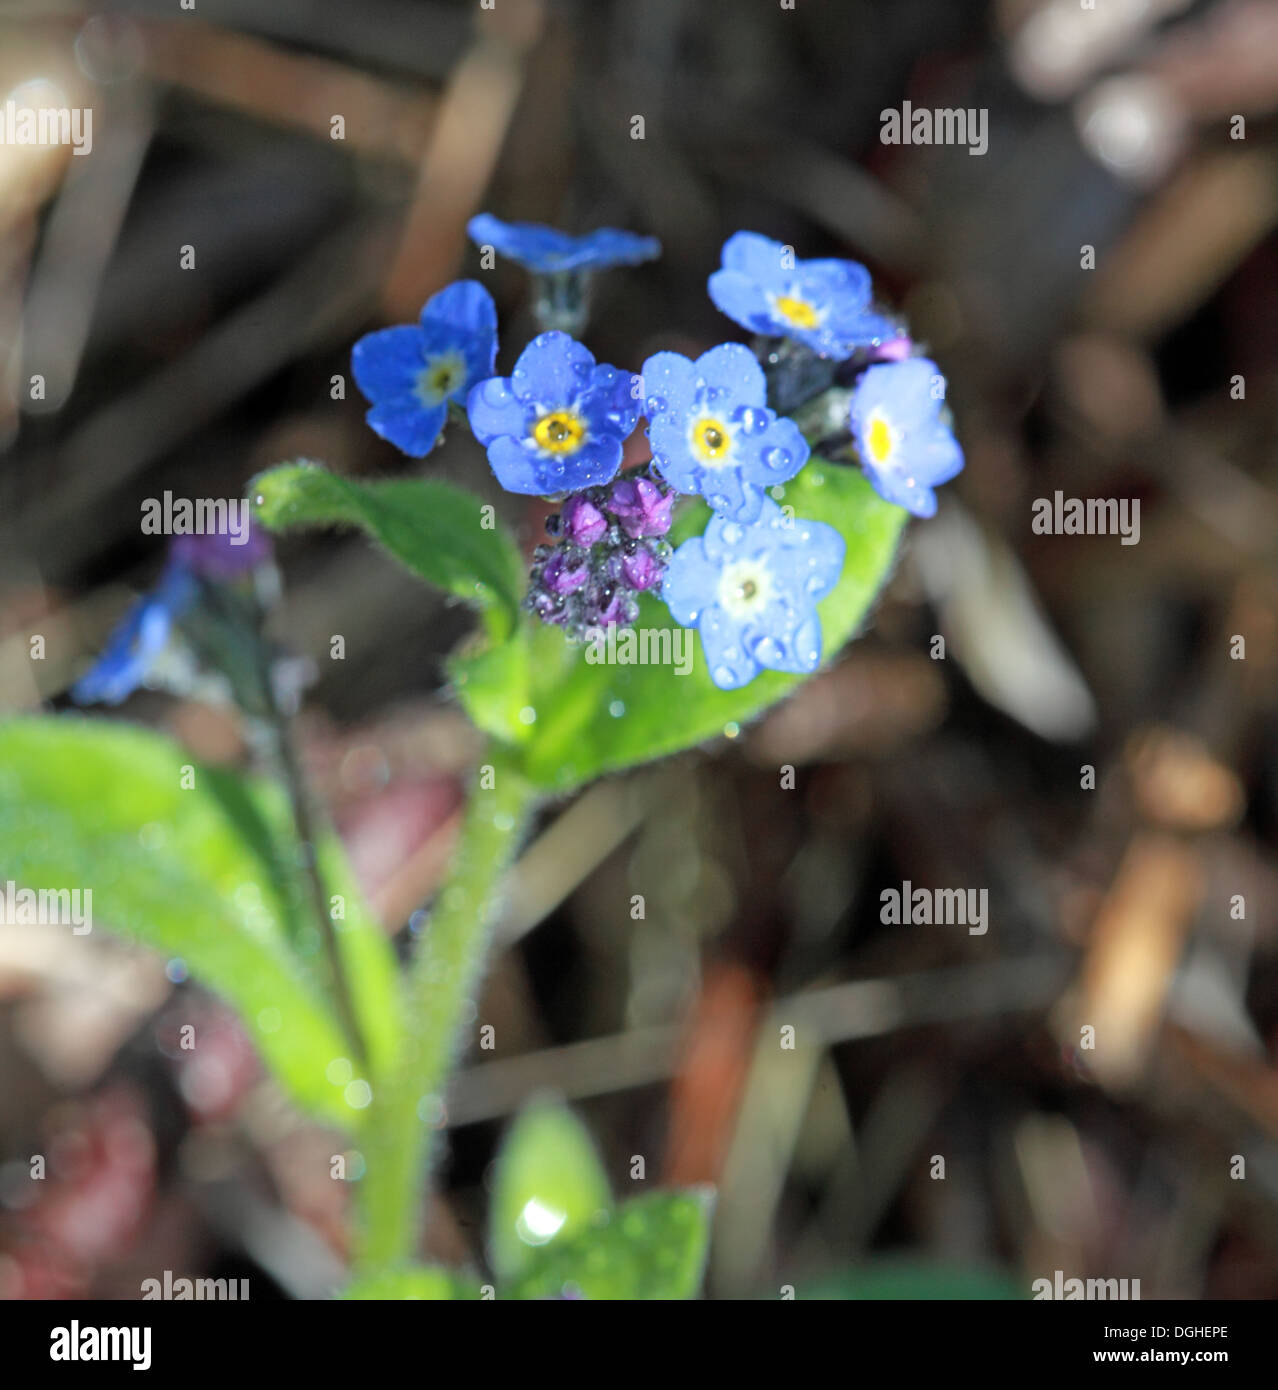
<point>712,432</point>
<point>906,448</point>
<point>139,644</point>
<point>546,251</point>
<point>558,422</point>
<point>824,304</point>
<point>752,590</point>
<point>412,371</point>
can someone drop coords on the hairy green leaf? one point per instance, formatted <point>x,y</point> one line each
<point>206,872</point>
<point>430,527</point>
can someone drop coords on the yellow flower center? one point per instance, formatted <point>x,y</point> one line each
<point>879,439</point>
<point>798,311</point>
<point>443,375</point>
<point>710,440</point>
<point>560,432</point>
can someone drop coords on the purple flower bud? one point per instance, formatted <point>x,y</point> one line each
<point>643,508</point>
<point>893,350</point>
<point>220,556</point>
<point>641,570</point>
<point>582,522</point>
<point>564,576</point>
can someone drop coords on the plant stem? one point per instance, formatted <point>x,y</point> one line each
<point>309,846</point>
<point>442,981</point>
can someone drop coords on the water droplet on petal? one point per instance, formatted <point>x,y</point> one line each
<point>776,459</point>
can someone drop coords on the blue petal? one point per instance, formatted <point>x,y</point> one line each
<point>669,385</point>
<point>730,665</point>
<point>387,363</point>
<point>553,371</point>
<point>730,495</point>
<point>743,300</point>
<point>690,583</point>
<point>533,246</point>
<point>891,486</point>
<point>759,259</point>
<point>494,410</point>
<point>465,304</point>
<point>734,369</point>
<point>611,405</point>
<point>547,251</point>
<point>515,467</point>
<point>410,426</point>
<point>773,455</point>
<point>941,456</point>
<point>609,246</point>
<point>137,642</point>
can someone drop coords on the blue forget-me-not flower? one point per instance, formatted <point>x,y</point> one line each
<point>752,590</point>
<point>558,422</point>
<point>412,372</point>
<point>906,448</point>
<point>140,644</point>
<point>711,430</point>
<point>548,251</point>
<point>823,304</point>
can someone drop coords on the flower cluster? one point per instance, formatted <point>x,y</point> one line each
<point>609,548</point>
<point>719,427</point>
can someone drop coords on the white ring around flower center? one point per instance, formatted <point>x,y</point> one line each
<point>745,586</point>
<point>440,377</point>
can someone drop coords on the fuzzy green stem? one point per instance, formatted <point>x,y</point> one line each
<point>442,979</point>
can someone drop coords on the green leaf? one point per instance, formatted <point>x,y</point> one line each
<point>415,1283</point>
<point>430,527</point>
<point>494,684</point>
<point>653,1247</point>
<point>205,873</point>
<point>549,1185</point>
<point>592,719</point>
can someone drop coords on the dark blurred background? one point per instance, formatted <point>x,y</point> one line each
<point>1150,377</point>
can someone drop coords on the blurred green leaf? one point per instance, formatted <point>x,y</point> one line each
<point>549,1185</point>
<point>592,719</point>
<point>654,1247</point>
<point>430,527</point>
<point>494,684</point>
<point>203,874</point>
<point>416,1283</point>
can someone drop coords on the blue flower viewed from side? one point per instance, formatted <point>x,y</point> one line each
<point>139,644</point>
<point>411,372</point>
<point>711,430</point>
<point>558,422</point>
<point>906,448</point>
<point>546,251</point>
<point>752,590</point>
<point>823,304</point>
